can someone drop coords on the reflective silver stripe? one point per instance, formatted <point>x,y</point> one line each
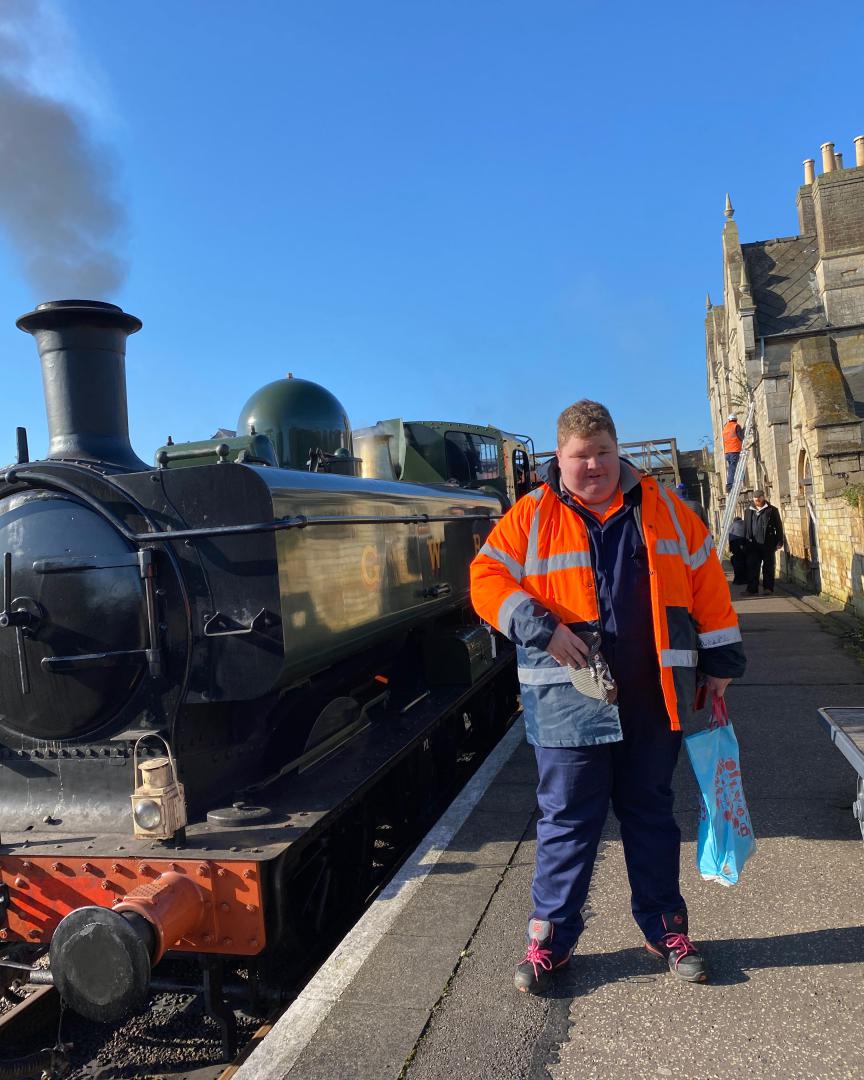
<point>536,494</point>
<point>543,676</point>
<point>516,569</point>
<point>668,547</point>
<point>563,561</point>
<point>505,612</point>
<point>531,559</point>
<point>679,658</point>
<point>684,550</point>
<point>700,555</point>
<point>719,637</point>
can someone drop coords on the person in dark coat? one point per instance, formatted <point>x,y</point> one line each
<point>764,531</point>
<point>738,545</point>
<point>691,504</point>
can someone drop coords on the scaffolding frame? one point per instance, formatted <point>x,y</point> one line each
<point>656,457</point>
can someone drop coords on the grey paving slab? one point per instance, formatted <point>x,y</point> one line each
<point>522,767</point>
<point>446,910</point>
<point>361,1042</point>
<point>464,873</point>
<point>405,970</point>
<point>509,798</point>
<point>487,838</point>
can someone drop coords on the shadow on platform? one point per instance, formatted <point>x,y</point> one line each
<point>728,960</point>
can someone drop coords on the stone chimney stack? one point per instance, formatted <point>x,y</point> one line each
<point>837,199</point>
<point>804,201</point>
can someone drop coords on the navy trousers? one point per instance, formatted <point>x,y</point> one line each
<point>576,785</point>
<point>764,556</point>
<point>731,466</point>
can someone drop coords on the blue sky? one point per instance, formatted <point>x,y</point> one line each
<point>464,209</point>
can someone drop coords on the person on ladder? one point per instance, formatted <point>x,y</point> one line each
<point>733,438</point>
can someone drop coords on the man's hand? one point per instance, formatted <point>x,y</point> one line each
<point>565,647</point>
<point>715,686</point>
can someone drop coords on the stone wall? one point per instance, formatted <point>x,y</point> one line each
<point>826,456</point>
<point>841,550</point>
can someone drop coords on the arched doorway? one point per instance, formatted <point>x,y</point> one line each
<point>809,527</point>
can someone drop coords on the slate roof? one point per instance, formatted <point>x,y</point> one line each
<point>783,284</point>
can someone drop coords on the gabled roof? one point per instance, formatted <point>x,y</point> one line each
<point>783,284</point>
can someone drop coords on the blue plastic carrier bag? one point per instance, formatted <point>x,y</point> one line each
<point>725,840</point>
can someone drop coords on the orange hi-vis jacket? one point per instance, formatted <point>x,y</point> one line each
<point>732,437</point>
<point>535,571</point>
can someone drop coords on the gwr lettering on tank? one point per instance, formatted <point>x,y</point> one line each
<point>434,548</point>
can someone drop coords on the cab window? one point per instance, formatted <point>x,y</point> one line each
<point>470,458</point>
<point>521,473</point>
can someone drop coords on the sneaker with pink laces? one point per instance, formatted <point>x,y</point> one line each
<point>541,960</point>
<point>676,948</point>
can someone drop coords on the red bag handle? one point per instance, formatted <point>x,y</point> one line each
<point>719,713</point>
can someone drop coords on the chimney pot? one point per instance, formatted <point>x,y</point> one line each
<point>82,346</point>
<point>859,150</point>
<point>838,158</point>
<point>828,163</point>
<point>809,170</point>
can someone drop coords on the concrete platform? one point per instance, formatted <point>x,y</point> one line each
<point>423,989</point>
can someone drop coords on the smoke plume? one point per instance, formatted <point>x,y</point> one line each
<point>57,208</point>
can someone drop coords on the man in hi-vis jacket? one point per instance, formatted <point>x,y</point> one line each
<point>601,574</point>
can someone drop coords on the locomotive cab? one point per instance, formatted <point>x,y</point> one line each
<point>479,458</point>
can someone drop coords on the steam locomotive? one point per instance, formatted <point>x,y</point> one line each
<point>209,674</point>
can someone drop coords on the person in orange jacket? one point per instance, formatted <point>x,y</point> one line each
<point>733,440</point>
<point>612,591</point>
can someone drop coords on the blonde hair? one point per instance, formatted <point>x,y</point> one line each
<point>585,418</point>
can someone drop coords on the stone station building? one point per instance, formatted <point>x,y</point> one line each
<point>790,337</point>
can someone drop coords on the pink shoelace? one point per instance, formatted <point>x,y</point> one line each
<point>680,944</point>
<point>538,957</point>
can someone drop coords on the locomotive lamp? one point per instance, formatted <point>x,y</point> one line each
<point>158,803</point>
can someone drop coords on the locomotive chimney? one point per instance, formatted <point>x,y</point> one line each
<point>82,346</point>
